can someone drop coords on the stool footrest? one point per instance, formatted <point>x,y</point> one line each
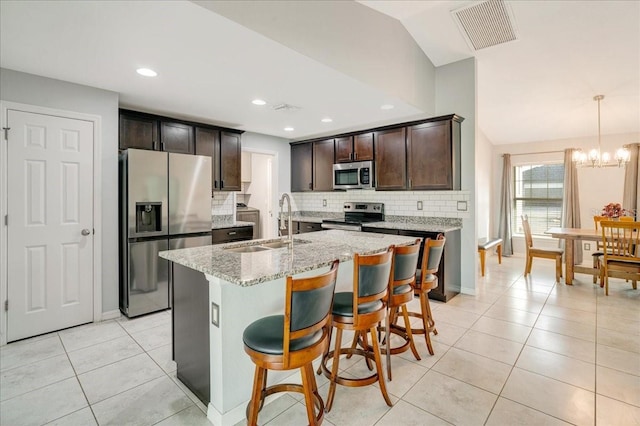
<point>290,387</point>
<point>363,381</point>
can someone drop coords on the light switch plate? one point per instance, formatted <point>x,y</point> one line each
<point>587,246</point>
<point>419,205</point>
<point>215,314</point>
<point>462,206</point>
<point>324,203</point>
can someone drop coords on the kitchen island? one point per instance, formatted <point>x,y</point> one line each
<point>219,290</point>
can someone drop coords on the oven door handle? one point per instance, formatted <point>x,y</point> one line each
<point>341,227</point>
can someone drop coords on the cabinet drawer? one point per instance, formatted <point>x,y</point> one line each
<point>228,235</point>
<point>309,227</point>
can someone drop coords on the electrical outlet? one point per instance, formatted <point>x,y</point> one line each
<point>215,314</point>
<point>587,246</point>
<point>461,206</point>
<point>324,203</point>
<point>419,205</point>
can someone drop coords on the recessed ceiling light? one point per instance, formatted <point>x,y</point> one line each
<point>258,102</point>
<point>386,106</point>
<point>146,72</point>
<point>289,129</point>
<point>327,120</point>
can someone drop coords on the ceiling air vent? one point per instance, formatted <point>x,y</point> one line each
<point>282,107</point>
<point>486,24</point>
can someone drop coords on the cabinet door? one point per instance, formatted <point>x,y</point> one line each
<point>344,149</point>
<point>301,167</point>
<point>230,155</point>
<point>323,155</point>
<point>391,168</point>
<point>363,147</point>
<point>207,142</point>
<point>177,137</point>
<point>429,159</point>
<point>138,132</point>
<point>250,216</point>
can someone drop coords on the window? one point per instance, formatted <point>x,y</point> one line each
<point>538,194</point>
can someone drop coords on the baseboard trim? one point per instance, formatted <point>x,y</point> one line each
<point>109,315</point>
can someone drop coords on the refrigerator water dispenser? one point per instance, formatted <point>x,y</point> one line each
<point>148,217</point>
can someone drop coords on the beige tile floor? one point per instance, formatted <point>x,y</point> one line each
<point>521,351</point>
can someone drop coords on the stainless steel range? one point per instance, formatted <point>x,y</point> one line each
<point>355,214</point>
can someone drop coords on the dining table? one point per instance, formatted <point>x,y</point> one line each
<point>570,235</point>
<point>578,234</point>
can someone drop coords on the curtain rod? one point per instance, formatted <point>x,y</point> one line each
<point>539,152</point>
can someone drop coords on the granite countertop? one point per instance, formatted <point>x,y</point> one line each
<point>310,251</point>
<point>227,221</point>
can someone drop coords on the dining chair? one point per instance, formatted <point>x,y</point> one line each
<point>532,252</point>
<point>597,255</point>
<point>292,341</point>
<point>622,238</point>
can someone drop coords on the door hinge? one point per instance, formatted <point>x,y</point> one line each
<point>6,133</point>
<point>6,305</point>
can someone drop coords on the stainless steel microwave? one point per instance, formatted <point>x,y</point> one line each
<point>357,175</point>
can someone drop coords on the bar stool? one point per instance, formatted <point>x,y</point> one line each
<point>425,282</point>
<point>292,340</point>
<point>403,271</point>
<point>360,311</point>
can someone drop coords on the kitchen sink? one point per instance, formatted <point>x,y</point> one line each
<point>247,249</point>
<point>265,246</point>
<point>276,244</point>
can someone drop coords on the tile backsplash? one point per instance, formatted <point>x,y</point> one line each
<point>453,204</point>
<point>222,204</point>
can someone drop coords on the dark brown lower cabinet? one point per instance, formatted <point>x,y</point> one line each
<point>190,330</point>
<point>449,278</point>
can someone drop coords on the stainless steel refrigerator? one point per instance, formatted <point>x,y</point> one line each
<point>165,203</point>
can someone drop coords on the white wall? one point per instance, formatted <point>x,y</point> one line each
<point>456,93</point>
<point>40,91</point>
<point>597,187</point>
<point>279,148</point>
<point>484,193</point>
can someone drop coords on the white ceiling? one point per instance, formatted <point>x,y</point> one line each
<point>210,68</point>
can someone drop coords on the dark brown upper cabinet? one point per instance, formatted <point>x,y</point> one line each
<point>302,167</point>
<point>429,156</point>
<point>138,131</point>
<point>354,148</point>
<point>176,137</point>
<point>224,148</point>
<point>230,161</point>
<point>391,166</point>
<point>323,157</point>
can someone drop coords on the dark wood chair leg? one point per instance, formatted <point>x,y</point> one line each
<point>256,396</point>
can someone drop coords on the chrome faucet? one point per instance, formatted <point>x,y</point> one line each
<point>285,196</point>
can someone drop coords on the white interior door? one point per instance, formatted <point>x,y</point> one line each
<point>50,223</point>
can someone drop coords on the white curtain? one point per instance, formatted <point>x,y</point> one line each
<point>571,201</point>
<point>504,226</point>
<point>630,199</point>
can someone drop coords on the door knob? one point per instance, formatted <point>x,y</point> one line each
<point>85,232</point>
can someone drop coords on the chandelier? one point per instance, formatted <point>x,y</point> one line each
<point>597,158</point>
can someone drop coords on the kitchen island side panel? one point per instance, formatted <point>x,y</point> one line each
<point>190,317</point>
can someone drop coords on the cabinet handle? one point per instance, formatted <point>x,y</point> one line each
<point>221,184</point>
<point>232,233</point>
<point>215,184</point>
<point>351,156</point>
<point>355,155</point>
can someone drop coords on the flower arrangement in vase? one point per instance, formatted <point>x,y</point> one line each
<point>613,210</point>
